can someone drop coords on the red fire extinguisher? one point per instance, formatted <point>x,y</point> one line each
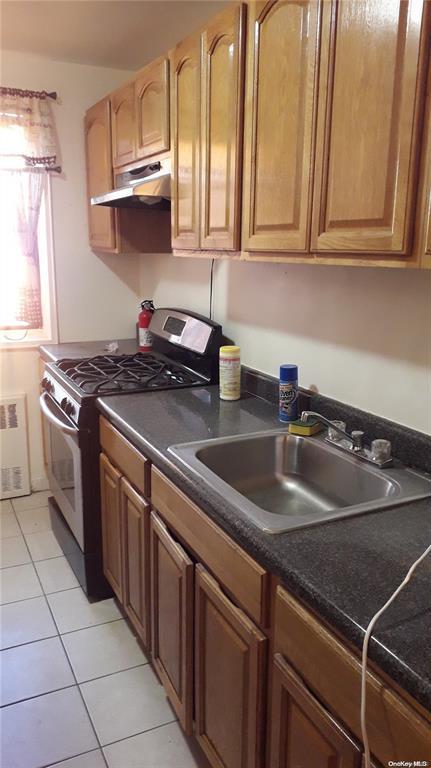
<point>144,319</point>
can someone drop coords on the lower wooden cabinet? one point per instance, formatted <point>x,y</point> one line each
<point>126,546</point>
<point>135,524</point>
<point>211,657</point>
<point>303,733</point>
<point>111,525</point>
<point>172,620</point>
<point>230,668</point>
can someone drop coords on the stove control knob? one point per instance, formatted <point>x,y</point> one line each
<point>69,408</point>
<point>63,404</point>
<point>47,385</point>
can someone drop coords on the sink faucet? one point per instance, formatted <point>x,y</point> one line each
<point>356,436</point>
<point>380,453</point>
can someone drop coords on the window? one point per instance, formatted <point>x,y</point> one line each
<point>27,151</point>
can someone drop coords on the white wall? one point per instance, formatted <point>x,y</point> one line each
<point>360,335</point>
<point>96,295</point>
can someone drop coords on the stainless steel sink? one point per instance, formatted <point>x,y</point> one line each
<point>282,481</point>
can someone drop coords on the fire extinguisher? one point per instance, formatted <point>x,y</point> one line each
<point>144,320</point>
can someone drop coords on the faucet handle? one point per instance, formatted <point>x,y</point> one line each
<point>357,439</point>
<point>334,434</point>
<point>381,450</point>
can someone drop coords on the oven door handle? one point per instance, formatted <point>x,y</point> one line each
<point>46,410</point>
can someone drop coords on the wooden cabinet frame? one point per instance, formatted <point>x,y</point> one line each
<point>289,697</point>
<point>180,693</point>
<point>123,99</point>
<point>111,525</point>
<point>388,229</point>
<point>136,560</point>
<point>153,78</point>
<point>265,124</point>
<point>185,173</point>
<point>102,222</point>
<point>222,130</point>
<point>245,639</point>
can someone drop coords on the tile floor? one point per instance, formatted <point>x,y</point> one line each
<point>76,690</point>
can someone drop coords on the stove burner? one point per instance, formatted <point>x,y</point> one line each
<point>127,373</point>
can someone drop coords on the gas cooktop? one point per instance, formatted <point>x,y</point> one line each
<point>143,371</point>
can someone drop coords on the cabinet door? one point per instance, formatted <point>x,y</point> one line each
<point>172,620</point>
<point>101,220</point>
<point>303,733</point>
<point>111,525</point>
<point>370,91</point>
<point>279,124</point>
<point>123,125</point>
<point>222,127</point>
<point>152,109</point>
<point>135,514</point>
<point>186,155</point>
<point>423,222</point>
<point>229,678</point>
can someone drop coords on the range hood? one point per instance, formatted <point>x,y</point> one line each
<point>146,186</point>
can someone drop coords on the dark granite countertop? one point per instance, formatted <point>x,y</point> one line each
<point>78,349</point>
<point>344,570</point>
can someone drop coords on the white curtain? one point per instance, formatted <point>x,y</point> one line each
<point>20,200</point>
<point>28,148</point>
<point>28,135</point>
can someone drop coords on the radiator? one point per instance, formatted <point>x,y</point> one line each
<point>15,475</point>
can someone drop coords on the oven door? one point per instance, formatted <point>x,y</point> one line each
<point>64,464</point>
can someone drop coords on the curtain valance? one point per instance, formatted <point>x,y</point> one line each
<point>28,135</point>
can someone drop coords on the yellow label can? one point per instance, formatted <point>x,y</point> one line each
<point>230,373</point>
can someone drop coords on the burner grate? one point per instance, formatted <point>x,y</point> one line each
<point>127,373</point>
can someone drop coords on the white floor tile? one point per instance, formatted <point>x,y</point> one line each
<point>34,520</point>
<point>127,703</point>
<point>165,747</point>
<point>45,730</point>
<point>43,545</point>
<point>39,499</point>
<point>33,669</point>
<point>8,525</point>
<point>18,583</point>
<point>13,551</point>
<point>25,621</point>
<point>55,575</point>
<point>89,760</point>
<point>5,506</point>
<point>72,610</point>
<point>101,650</point>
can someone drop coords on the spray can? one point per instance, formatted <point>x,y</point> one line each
<point>288,399</point>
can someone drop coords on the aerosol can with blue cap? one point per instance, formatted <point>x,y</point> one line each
<point>288,399</point>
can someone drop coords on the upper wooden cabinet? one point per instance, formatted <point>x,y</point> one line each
<point>185,136</point>
<point>152,109</point>
<point>222,124</point>
<point>369,108</point>
<point>123,125</point>
<point>207,127</point>
<point>101,221</point>
<point>423,220</point>
<point>279,122</point>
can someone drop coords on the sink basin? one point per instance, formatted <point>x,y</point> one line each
<point>282,482</point>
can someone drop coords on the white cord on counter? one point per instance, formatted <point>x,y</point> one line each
<point>365,654</point>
